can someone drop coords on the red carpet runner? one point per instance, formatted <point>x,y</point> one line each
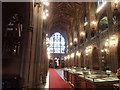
<point>56,81</point>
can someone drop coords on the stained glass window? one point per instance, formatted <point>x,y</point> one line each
<point>103,24</point>
<point>100,2</point>
<point>57,43</point>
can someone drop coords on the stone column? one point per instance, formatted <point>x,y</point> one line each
<point>33,48</point>
<point>27,39</point>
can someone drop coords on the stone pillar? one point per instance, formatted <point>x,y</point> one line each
<point>37,64</point>
<point>27,39</point>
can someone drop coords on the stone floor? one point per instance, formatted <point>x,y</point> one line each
<point>46,85</point>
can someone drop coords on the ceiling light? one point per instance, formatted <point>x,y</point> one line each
<point>46,3</point>
<point>85,23</point>
<point>105,50</point>
<point>46,34</point>
<point>71,44</point>
<point>77,53</point>
<point>102,50</point>
<point>46,11</point>
<point>68,56</point>
<point>47,14</point>
<point>93,22</point>
<point>72,55</point>
<point>86,54</point>
<point>82,34</point>
<point>65,58</point>
<point>75,39</point>
<point>106,44</point>
<point>113,40</point>
<point>44,17</point>
<point>88,49</point>
<point>43,13</point>
<point>14,50</point>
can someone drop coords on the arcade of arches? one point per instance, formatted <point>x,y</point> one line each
<point>37,36</point>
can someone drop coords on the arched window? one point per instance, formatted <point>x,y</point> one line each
<point>103,24</point>
<point>115,19</point>
<point>100,2</point>
<point>57,43</point>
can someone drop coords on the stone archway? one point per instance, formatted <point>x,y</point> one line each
<point>95,59</point>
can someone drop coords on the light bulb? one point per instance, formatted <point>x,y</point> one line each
<point>46,3</point>
<point>85,23</point>
<point>46,11</point>
<point>71,44</point>
<point>44,17</point>
<point>75,39</point>
<point>47,14</point>
<point>93,22</point>
<point>14,50</point>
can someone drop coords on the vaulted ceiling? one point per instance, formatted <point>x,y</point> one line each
<point>64,15</point>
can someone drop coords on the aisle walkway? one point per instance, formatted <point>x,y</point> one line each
<point>60,72</point>
<point>56,81</point>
